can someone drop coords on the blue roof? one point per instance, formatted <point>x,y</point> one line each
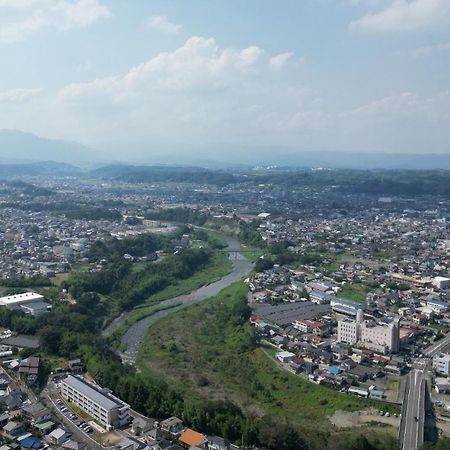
<point>31,442</point>
<point>334,370</point>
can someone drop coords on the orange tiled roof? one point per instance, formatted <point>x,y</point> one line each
<point>192,438</point>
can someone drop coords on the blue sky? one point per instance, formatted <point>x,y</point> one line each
<point>131,76</point>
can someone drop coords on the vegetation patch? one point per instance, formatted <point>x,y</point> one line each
<point>356,292</point>
<point>219,266</point>
<point>219,356</point>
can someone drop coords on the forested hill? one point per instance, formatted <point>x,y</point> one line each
<point>371,182</point>
<point>153,174</point>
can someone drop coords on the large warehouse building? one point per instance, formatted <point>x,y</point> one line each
<point>29,302</point>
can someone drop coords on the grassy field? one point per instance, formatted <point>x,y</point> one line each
<point>218,268</point>
<point>346,257</point>
<point>216,357</point>
<point>356,292</point>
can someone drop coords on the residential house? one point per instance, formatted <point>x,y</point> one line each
<point>57,436</point>
<point>29,369</point>
<point>13,429</point>
<point>73,445</point>
<point>172,425</point>
<point>218,443</point>
<point>75,366</point>
<point>36,412</point>
<point>192,438</point>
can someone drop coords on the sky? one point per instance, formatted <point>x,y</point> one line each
<point>130,76</point>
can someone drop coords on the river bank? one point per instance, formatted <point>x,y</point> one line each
<point>132,339</point>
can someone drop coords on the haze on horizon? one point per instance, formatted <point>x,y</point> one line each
<point>349,75</point>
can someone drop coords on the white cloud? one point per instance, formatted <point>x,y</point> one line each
<point>427,50</point>
<point>163,24</point>
<point>199,63</point>
<point>197,92</point>
<point>406,15</point>
<point>279,61</point>
<point>61,15</point>
<point>18,95</point>
<point>204,93</point>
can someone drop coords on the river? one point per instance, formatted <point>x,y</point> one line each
<point>133,338</point>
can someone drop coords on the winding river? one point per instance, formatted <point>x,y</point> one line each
<point>133,338</point>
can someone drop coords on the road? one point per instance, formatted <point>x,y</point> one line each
<point>437,346</point>
<point>134,336</point>
<point>413,412</point>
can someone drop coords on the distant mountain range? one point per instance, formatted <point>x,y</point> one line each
<point>235,156</point>
<point>19,147</point>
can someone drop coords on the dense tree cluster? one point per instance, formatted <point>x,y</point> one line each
<point>142,245</point>
<point>25,282</point>
<point>179,215</point>
<point>154,174</point>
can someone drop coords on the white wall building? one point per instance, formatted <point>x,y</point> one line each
<point>380,337</point>
<point>441,282</point>
<point>348,331</point>
<point>20,299</point>
<point>441,363</point>
<point>29,303</point>
<point>97,402</point>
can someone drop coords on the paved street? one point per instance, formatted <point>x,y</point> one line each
<point>412,423</point>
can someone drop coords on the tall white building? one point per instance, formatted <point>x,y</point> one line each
<point>441,363</point>
<point>379,337</point>
<point>348,331</point>
<point>441,282</point>
<point>99,403</point>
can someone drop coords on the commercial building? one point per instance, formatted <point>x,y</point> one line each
<point>98,402</point>
<point>343,306</point>
<point>442,385</point>
<point>441,282</point>
<point>441,363</point>
<point>29,302</point>
<point>379,337</point>
<point>383,337</point>
<point>20,299</point>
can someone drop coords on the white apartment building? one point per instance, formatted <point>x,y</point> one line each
<point>99,403</point>
<point>441,363</point>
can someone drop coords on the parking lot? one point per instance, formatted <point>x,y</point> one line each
<point>81,429</point>
<point>78,421</point>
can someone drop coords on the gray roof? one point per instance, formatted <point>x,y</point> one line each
<point>35,305</point>
<point>93,392</point>
<point>286,313</point>
<point>22,340</point>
